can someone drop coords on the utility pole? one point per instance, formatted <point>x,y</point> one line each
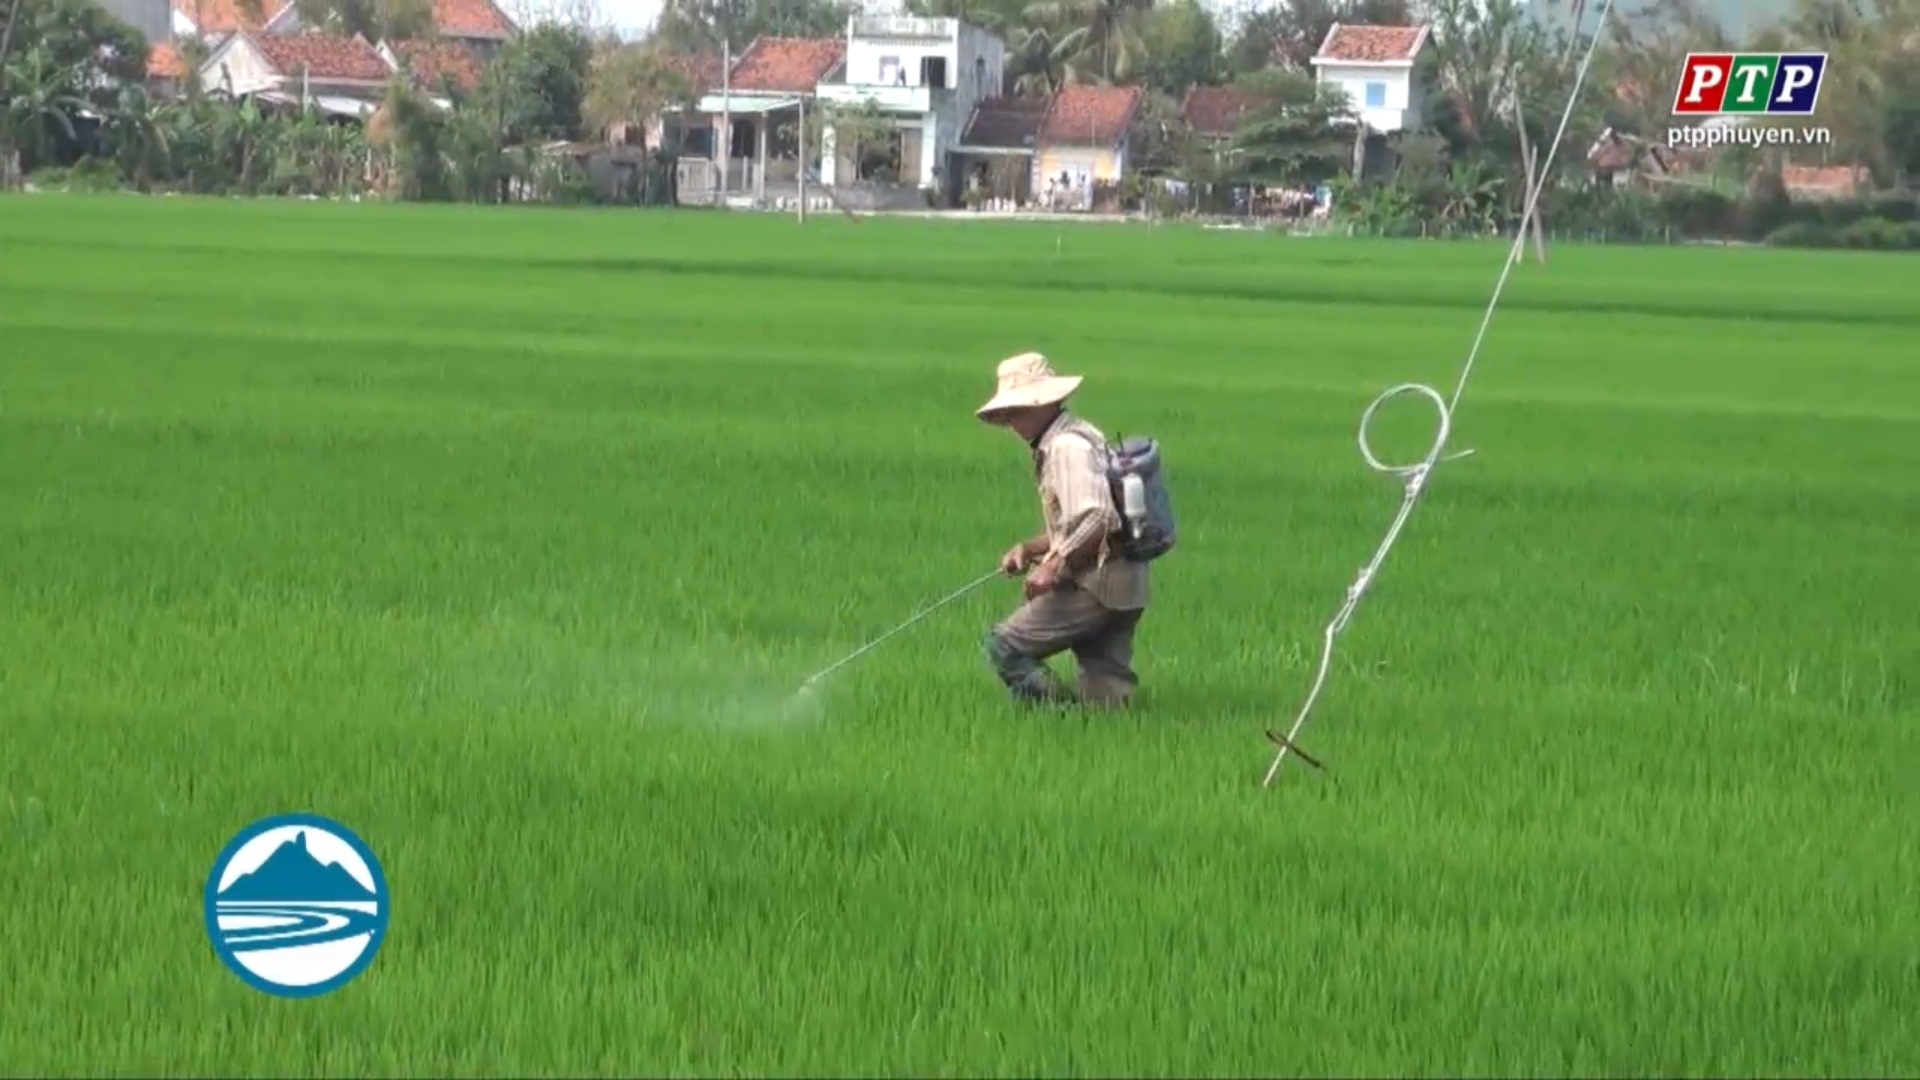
<point>724,137</point>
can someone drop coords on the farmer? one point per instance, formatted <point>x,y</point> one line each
<point>1078,595</point>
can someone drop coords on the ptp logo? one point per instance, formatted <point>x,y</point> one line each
<point>1734,84</point>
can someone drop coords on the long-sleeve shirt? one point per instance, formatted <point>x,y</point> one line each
<point>1077,506</point>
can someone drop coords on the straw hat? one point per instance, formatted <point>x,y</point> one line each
<point>1027,381</point>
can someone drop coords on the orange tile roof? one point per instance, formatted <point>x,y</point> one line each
<point>1371,44</point>
<point>430,60</point>
<point>1216,110</point>
<point>1829,178</point>
<point>163,62</point>
<point>702,70</point>
<point>786,64</point>
<point>471,19</point>
<point>226,16</point>
<point>1091,115</point>
<point>322,56</point>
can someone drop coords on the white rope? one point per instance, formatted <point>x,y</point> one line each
<point>1414,476</point>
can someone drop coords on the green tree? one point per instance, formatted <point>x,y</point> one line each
<point>702,26</point>
<point>375,20</point>
<point>136,136</point>
<point>1183,47</point>
<point>413,130</point>
<point>860,134</point>
<point>631,85</point>
<point>1293,135</point>
<point>536,85</point>
<point>1251,47</point>
<point>1901,122</point>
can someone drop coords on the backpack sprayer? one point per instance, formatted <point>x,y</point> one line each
<point>1139,492</point>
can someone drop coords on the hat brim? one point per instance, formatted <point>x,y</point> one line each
<point>1034,395</point>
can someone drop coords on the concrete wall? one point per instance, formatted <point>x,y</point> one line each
<point>1399,108</point>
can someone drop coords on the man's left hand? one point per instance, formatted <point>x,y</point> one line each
<point>1043,578</point>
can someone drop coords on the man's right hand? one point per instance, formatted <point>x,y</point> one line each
<point>1014,561</point>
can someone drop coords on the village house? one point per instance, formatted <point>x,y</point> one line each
<point>994,163</point>
<point>466,34</point>
<point>1375,66</point>
<point>744,131</point>
<point>921,77</point>
<point>1824,182</point>
<point>434,63</point>
<point>1623,160</point>
<point>1213,113</point>
<point>478,25</point>
<point>343,77</point>
<point>166,69</point>
<point>924,76</point>
<point>1084,143</point>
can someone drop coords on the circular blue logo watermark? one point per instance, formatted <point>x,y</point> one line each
<point>296,905</point>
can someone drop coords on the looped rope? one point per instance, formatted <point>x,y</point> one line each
<point>1414,476</point>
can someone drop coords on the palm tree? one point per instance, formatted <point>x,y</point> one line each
<point>1036,62</point>
<point>1100,38</point>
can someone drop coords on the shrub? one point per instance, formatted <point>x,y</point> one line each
<point>1866,234</point>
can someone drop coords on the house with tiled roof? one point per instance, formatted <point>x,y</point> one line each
<point>1213,113</point>
<point>1375,65</point>
<point>995,157</point>
<point>432,63</point>
<point>743,131</point>
<point>1826,181</point>
<point>1624,160</point>
<point>924,76</point>
<point>1084,142</point>
<point>166,69</point>
<point>479,25</point>
<point>340,76</point>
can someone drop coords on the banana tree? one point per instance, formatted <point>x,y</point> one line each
<point>1472,199</point>
<point>39,97</point>
<point>136,133</point>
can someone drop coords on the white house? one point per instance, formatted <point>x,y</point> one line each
<point>1375,66</point>
<point>927,75</point>
<point>339,76</point>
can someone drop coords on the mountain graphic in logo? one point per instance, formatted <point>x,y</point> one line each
<point>293,873</point>
<point>296,905</point>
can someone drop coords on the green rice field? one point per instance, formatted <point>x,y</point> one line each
<point>504,536</point>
